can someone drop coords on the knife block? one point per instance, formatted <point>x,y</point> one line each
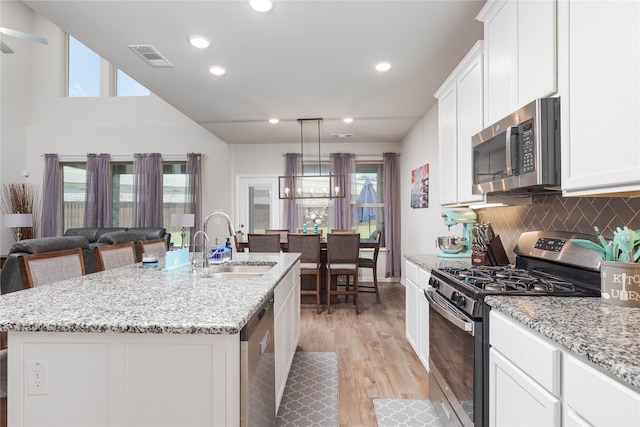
<point>495,254</point>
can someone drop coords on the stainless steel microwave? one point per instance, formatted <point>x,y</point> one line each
<point>521,152</point>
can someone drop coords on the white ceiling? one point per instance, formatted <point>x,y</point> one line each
<point>303,59</point>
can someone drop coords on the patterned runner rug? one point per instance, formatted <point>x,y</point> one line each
<point>311,395</point>
<point>405,413</point>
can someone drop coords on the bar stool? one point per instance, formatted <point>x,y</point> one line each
<point>342,260</point>
<point>309,246</point>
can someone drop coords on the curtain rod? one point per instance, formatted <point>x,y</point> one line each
<point>117,157</point>
<point>358,156</point>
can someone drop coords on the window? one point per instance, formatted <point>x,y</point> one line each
<point>126,86</point>
<point>86,74</point>
<point>83,73</point>
<point>369,203</point>
<point>74,188</point>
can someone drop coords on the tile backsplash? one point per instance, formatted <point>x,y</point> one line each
<point>554,212</point>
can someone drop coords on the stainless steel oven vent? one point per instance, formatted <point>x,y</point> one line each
<point>150,55</point>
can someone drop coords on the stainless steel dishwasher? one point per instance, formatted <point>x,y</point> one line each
<point>258,369</point>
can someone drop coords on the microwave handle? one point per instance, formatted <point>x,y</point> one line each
<point>508,153</point>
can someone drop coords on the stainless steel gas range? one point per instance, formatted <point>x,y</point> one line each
<point>547,264</point>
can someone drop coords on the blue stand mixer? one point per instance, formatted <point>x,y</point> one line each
<point>455,246</point>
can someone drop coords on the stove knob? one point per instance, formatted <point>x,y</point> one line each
<point>435,283</point>
<point>458,299</point>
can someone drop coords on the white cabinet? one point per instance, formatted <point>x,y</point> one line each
<point>423,318</point>
<point>417,310</point>
<point>524,375</point>
<point>593,398</point>
<point>520,54</point>
<point>599,85</point>
<point>411,303</point>
<point>515,397</point>
<point>460,105</point>
<point>527,371</point>
<point>286,326</point>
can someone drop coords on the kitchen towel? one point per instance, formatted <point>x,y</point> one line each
<point>405,413</point>
<point>311,395</point>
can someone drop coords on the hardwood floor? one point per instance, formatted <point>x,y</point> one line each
<point>375,360</point>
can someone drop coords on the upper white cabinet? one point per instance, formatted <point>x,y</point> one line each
<point>599,85</point>
<point>520,54</point>
<point>460,105</point>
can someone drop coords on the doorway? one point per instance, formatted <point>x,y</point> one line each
<point>258,203</point>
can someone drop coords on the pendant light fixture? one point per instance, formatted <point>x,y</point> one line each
<point>317,186</point>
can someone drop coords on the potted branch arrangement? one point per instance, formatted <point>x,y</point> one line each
<point>22,198</point>
<point>619,268</point>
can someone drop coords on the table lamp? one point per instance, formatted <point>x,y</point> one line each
<point>182,220</point>
<point>18,220</point>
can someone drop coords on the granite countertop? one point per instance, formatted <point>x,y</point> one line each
<point>136,299</point>
<point>430,262</point>
<point>604,334</point>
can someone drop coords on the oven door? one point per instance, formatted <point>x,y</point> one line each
<point>451,361</point>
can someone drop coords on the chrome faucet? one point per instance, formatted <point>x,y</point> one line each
<point>232,231</point>
<point>205,239</point>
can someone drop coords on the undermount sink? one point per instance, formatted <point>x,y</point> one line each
<point>241,271</point>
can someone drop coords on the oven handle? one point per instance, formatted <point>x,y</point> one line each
<point>448,311</point>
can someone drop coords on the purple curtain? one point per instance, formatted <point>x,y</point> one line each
<point>391,224</point>
<point>343,214</point>
<point>97,208</point>
<point>194,189</point>
<point>293,167</point>
<point>50,195</point>
<point>147,190</point>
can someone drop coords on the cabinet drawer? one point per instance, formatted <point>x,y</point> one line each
<point>423,278</point>
<point>533,355</point>
<point>411,271</point>
<point>597,398</point>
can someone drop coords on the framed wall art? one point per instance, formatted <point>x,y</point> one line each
<point>420,187</point>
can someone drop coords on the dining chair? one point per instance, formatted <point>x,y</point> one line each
<point>50,267</point>
<point>309,246</point>
<point>114,256</point>
<point>342,260</point>
<point>263,242</point>
<point>281,231</point>
<point>156,246</point>
<point>337,231</point>
<point>373,264</point>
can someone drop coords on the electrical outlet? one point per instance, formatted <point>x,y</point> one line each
<point>37,377</point>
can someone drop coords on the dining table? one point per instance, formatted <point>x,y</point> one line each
<point>242,244</point>
<point>307,282</point>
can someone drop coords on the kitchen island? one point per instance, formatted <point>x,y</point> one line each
<point>138,345</point>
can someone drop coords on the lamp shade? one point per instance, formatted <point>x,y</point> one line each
<point>182,220</point>
<point>18,220</point>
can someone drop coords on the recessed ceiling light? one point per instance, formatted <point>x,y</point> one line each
<point>383,66</point>
<point>199,42</point>
<point>217,70</point>
<point>348,120</point>
<point>262,5</point>
<point>274,121</point>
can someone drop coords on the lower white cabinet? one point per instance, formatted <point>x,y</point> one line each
<point>527,372</point>
<point>417,310</point>
<point>286,326</point>
<point>515,397</point>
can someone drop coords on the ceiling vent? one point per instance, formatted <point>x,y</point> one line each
<point>150,55</point>
<point>341,135</point>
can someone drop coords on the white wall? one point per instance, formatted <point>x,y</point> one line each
<point>420,227</point>
<point>48,122</point>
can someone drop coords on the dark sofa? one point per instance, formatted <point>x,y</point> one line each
<point>84,238</point>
